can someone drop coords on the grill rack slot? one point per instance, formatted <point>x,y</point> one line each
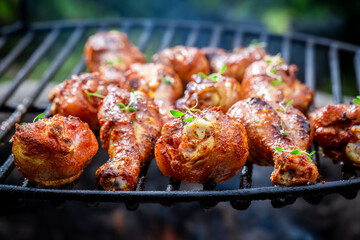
<point>208,197</point>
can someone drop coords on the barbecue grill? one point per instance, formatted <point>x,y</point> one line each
<point>151,36</point>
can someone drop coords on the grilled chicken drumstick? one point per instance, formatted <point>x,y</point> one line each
<point>111,48</point>
<point>274,130</point>
<point>53,151</point>
<point>130,125</point>
<point>80,97</point>
<point>236,61</point>
<point>273,80</point>
<point>220,92</point>
<point>210,148</point>
<point>158,82</point>
<point>185,61</point>
<point>337,130</point>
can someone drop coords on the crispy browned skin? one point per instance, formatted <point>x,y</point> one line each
<point>211,148</point>
<point>128,137</point>
<point>185,61</point>
<point>223,93</point>
<point>69,97</point>
<point>53,151</point>
<point>262,121</point>
<point>236,62</point>
<point>111,47</point>
<point>258,82</point>
<point>158,82</point>
<point>337,130</point>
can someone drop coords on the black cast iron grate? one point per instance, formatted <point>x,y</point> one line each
<point>151,36</point>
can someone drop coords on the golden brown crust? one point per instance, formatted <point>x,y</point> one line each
<point>262,121</point>
<point>111,46</point>
<point>211,148</point>
<point>236,62</point>
<point>128,137</point>
<point>53,151</point>
<point>258,82</point>
<point>158,82</point>
<point>185,61</point>
<point>336,129</point>
<point>223,93</point>
<point>69,97</point>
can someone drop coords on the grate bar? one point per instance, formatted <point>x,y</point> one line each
<point>193,36</point>
<point>285,49</point>
<point>54,67</point>
<point>6,168</point>
<point>335,74</point>
<point>2,41</point>
<point>145,36</point>
<point>264,38</point>
<point>30,64</point>
<point>215,36</point>
<point>173,185</point>
<point>357,69</point>
<point>168,36</point>
<point>309,64</point>
<point>245,183</point>
<point>238,39</point>
<point>19,48</point>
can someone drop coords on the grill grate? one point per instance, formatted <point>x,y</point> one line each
<point>161,34</point>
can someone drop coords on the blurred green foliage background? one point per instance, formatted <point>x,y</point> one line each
<point>331,18</point>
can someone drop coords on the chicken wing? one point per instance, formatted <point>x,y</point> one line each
<point>111,48</point>
<point>185,61</point>
<point>130,125</point>
<point>236,62</point>
<point>221,92</point>
<point>274,130</point>
<point>273,80</point>
<point>80,97</point>
<point>337,130</point>
<point>53,151</point>
<point>210,148</point>
<point>158,82</point>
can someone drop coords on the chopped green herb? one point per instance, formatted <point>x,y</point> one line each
<point>256,43</point>
<point>274,70</point>
<point>277,82</point>
<point>213,76</point>
<point>112,63</point>
<point>285,107</point>
<point>282,130</point>
<point>95,94</point>
<point>357,100</point>
<point>297,152</point>
<point>133,96</point>
<point>179,114</point>
<point>167,80</point>
<point>41,115</point>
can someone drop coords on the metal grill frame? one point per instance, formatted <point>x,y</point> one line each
<point>208,197</point>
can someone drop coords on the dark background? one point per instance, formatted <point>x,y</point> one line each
<point>334,218</point>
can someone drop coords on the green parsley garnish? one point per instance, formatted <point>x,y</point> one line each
<point>38,117</point>
<point>213,76</point>
<point>167,80</point>
<point>133,97</point>
<point>284,106</point>
<point>277,81</point>
<point>112,63</point>
<point>271,68</point>
<point>282,130</point>
<point>95,94</point>
<point>179,114</point>
<point>357,100</point>
<point>296,152</point>
<point>256,43</point>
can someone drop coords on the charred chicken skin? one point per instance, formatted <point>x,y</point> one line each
<point>111,48</point>
<point>53,151</point>
<point>236,62</point>
<point>273,80</point>
<point>158,82</point>
<point>269,126</point>
<point>222,92</point>
<point>337,130</point>
<point>130,125</point>
<point>210,148</point>
<point>80,97</point>
<point>185,61</point>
